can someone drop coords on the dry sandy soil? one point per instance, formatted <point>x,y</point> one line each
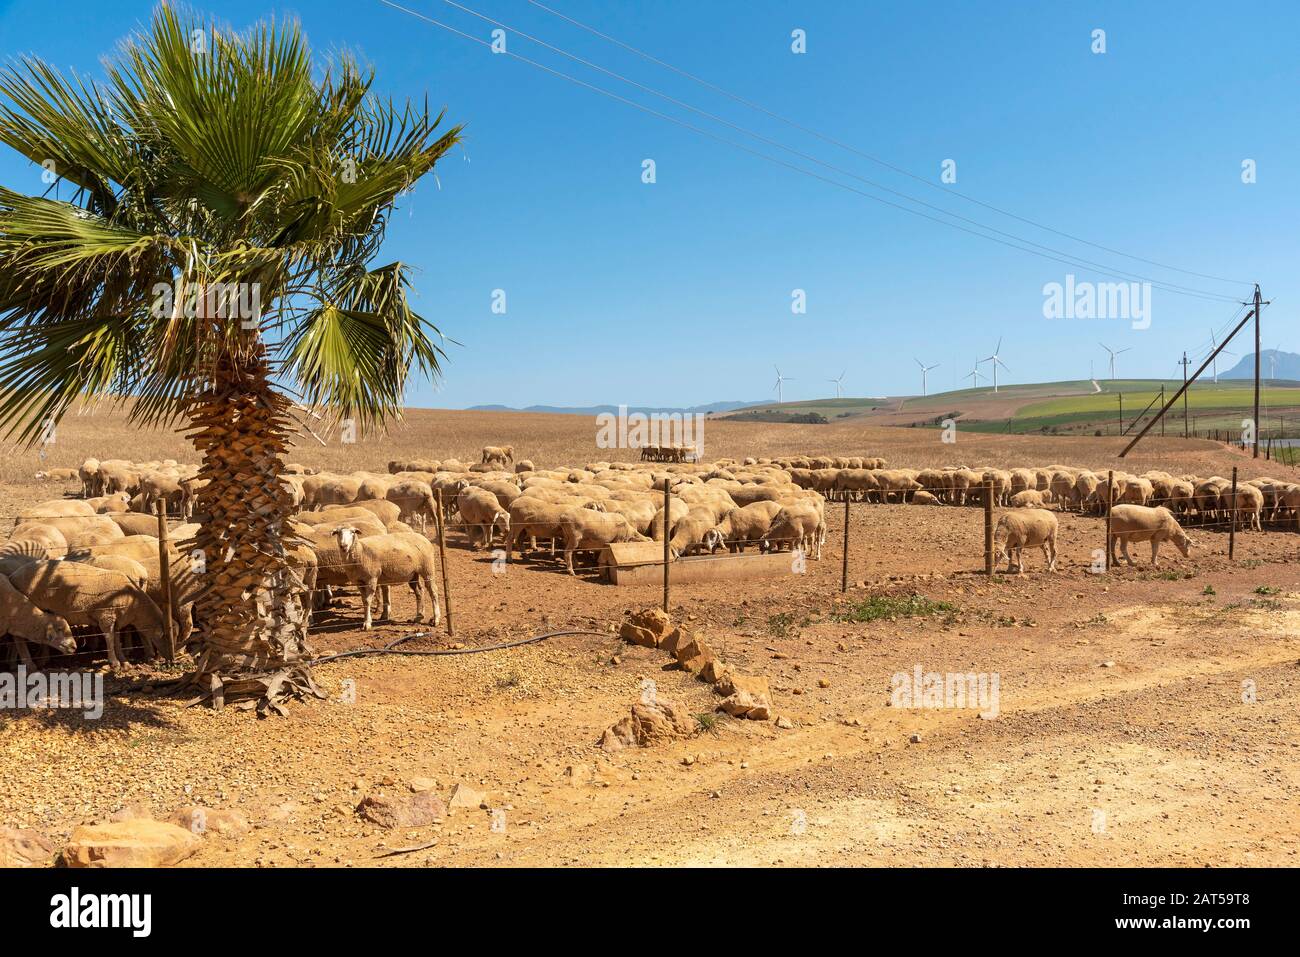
<point>1123,733</point>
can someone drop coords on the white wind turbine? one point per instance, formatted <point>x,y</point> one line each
<point>1214,344</point>
<point>838,382</point>
<point>779,379</point>
<point>924,369</point>
<point>975,375</point>
<point>1113,354</point>
<point>996,362</point>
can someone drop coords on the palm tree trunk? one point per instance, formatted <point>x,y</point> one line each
<point>251,623</point>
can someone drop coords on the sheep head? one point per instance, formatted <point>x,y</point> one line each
<point>58,634</point>
<point>347,537</point>
<point>712,540</point>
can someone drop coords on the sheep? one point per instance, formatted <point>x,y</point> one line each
<point>1022,528</point>
<point>37,538</point>
<point>588,529</point>
<point>534,518</point>
<point>77,530</point>
<point>688,533</point>
<point>742,526</point>
<point>55,508</point>
<point>484,515</point>
<point>1248,506</point>
<point>85,595</point>
<point>1140,523</point>
<point>1062,487</point>
<point>91,483</point>
<point>1027,498</point>
<point>799,526</point>
<point>24,622</point>
<point>133,523</point>
<point>502,454</point>
<point>414,500</point>
<point>381,561</point>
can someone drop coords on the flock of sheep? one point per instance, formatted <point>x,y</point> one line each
<point>95,561</point>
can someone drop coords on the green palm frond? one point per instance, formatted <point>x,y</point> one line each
<point>204,158</point>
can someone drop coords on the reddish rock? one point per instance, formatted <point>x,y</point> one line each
<point>23,847</point>
<point>408,810</point>
<point>138,842</point>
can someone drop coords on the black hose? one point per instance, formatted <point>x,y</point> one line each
<point>392,649</point>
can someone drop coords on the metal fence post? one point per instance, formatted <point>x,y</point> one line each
<point>844,571</point>
<point>1110,499</point>
<point>988,528</point>
<point>442,560</point>
<point>1232,526</point>
<point>165,579</point>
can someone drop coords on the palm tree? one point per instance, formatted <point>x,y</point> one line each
<point>212,266</point>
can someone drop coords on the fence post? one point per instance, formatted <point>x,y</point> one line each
<point>442,560</point>
<point>844,571</point>
<point>1232,526</point>
<point>667,530</point>
<point>165,579</point>
<point>1110,498</point>
<point>988,528</point>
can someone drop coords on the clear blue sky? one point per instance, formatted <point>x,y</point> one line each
<point>679,292</point>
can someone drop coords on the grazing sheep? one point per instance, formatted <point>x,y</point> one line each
<point>742,526</point>
<point>688,533</point>
<point>1021,529</point>
<point>85,595</point>
<point>483,515</point>
<point>799,526</point>
<point>91,483</point>
<point>414,500</point>
<point>497,454</point>
<point>1248,506</point>
<point>55,508</point>
<point>1140,523</point>
<point>587,529</point>
<point>22,621</point>
<point>381,561</point>
<point>1027,498</point>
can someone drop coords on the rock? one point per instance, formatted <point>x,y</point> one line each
<point>466,796</point>
<point>132,811</point>
<point>694,654</point>
<point>647,724</point>
<point>638,636</point>
<point>409,810</point>
<point>675,638</point>
<point>139,842</point>
<point>648,627</point>
<point>222,821</point>
<point>23,847</point>
<point>714,671</point>
<point>823,683</point>
<point>914,739</point>
<point>419,784</point>
<point>756,685</point>
<point>784,723</point>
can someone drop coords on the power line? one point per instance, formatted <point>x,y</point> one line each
<point>874,159</point>
<point>1073,261</point>
<point>813,159</point>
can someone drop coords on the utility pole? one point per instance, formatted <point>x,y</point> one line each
<point>1162,405</point>
<point>1255,447</point>
<point>1184,394</point>
<point>1121,412</point>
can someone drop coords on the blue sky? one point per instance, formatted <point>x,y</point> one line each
<point>679,292</point>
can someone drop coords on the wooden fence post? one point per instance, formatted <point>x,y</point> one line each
<point>1110,498</point>
<point>988,528</point>
<point>1232,527</point>
<point>165,579</point>
<point>844,571</point>
<point>667,531</point>
<point>442,560</point>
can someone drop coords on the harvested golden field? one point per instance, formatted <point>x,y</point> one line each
<point>1142,717</point>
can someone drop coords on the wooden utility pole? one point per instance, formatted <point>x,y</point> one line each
<point>1121,412</point>
<point>1184,394</point>
<point>1183,391</point>
<point>1162,405</point>
<point>1255,445</point>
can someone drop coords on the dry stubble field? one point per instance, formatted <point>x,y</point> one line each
<point>1123,734</point>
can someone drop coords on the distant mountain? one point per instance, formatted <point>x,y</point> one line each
<point>1287,366</point>
<point>613,409</point>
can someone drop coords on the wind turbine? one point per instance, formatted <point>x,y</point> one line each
<point>1272,361</point>
<point>838,382</point>
<point>1113,354</point>
<point>1225,352</point>
<point>996,362</point>
<point>779,379</point>
<point>924,369</point>
<point>975,375</point>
